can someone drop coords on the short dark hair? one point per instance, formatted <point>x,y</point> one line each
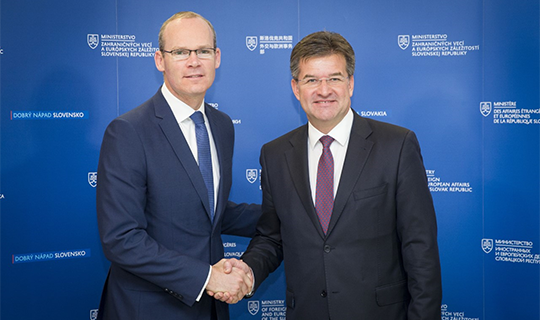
<point>321,44</point>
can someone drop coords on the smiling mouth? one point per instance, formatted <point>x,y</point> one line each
<point>194,76</point>
<point>324,101</point>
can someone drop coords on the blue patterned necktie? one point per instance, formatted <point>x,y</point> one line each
<point>205,158</point>
<point>324,197</point>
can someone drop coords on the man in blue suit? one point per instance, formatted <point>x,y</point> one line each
<point>165,173</point>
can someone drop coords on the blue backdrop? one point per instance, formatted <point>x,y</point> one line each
<point>463,74</point>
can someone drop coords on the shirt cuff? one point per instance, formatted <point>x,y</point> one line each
<point>251,293</point>
<point>205,284</point>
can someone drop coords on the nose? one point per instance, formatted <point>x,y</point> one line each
<point>193,59</point>
<point>324,88</point>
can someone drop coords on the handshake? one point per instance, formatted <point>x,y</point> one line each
<point>230,281</point>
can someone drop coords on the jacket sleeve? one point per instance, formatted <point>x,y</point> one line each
<point>240,219</point>
<point>417,229</point>
<point>265,253</point>
<point>122,220</point>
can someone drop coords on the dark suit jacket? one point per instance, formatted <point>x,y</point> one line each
<point>152,209</point>
<point>379,258</point>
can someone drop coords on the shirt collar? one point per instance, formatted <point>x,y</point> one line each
<point>340,133</point>
<point>180,109</point>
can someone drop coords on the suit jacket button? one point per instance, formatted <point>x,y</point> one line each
<point>327,248</point>
<point>323,294</point>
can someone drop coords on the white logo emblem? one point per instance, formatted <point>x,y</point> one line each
<point>92,179</point>
<point>251,42</point>
<point>403,41</point>
<point>252,175</point>
<point>485,108</point>
<point>93,314</point>
<point>487,245</point>
<point>92,40</point>
<point>253,307</point>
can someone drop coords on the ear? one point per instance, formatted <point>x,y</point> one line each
<point>351,85</point>
<point>217,58</point>
<point>159,60</point>
<point>294,86</point>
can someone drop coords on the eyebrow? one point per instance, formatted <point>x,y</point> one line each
<point>330,75</point>
<point>185,48</point>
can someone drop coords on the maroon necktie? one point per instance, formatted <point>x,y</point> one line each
<point>324,197</point>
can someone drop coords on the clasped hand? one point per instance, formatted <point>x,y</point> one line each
<point>230,281</point>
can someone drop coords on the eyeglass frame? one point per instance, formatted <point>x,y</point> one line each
<point>189,54</point>
<point>320,80</point>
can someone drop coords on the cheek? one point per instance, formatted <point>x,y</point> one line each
<point>344,93</point>
<point>307,95</point>
<point>305,100</point>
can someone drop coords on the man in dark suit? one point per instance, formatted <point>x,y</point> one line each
<point>346,204</point>
<point>162,197</point>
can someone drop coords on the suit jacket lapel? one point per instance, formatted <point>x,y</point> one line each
<point>220,146</point>
<point>355,159</point>
<point>173,133</point>
<point>297,161</point>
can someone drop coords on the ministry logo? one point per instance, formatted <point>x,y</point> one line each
<point>252,175</point>
<point>487,245</point>
<point>93,314</point>
<point>251,42</point>
<point>403,41</point>
<point>485,108</point>
<point>253,307</point>
<point>92,179</point>
<point>92,40</point>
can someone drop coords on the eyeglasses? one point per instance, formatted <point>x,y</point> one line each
<point>315,82</point>
<point>183,54</point>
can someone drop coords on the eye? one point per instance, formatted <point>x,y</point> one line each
<point>335,80</point>
<point>204,51</point>
<point>180,52</point>
<point>311,81</point>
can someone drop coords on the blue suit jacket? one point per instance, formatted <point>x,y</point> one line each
<point>379,258</point>
<point>153,215</point>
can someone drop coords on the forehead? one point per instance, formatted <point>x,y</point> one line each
<point>188,33</point>
<point>322,66</point>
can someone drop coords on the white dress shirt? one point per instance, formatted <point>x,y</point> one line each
<point>341,134</point>
<point>182,113</point>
